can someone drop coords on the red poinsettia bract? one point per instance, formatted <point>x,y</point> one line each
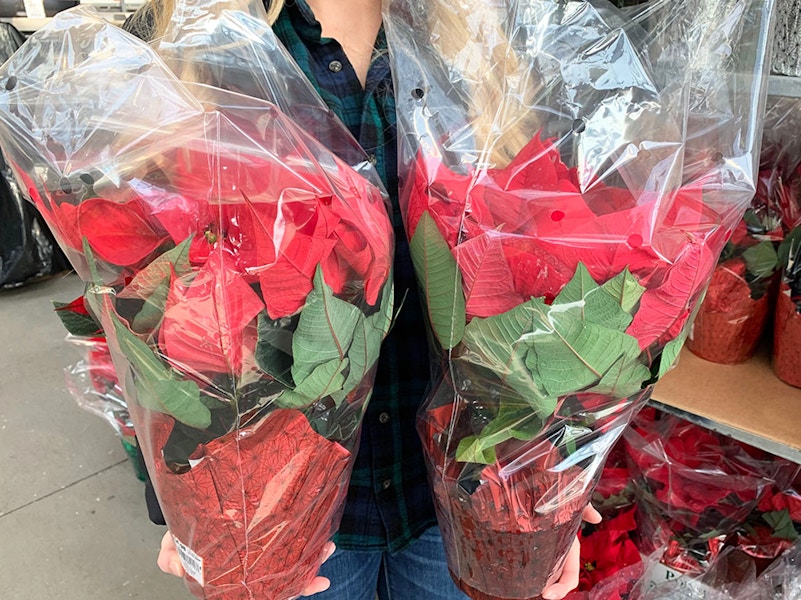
<point>520,232</point>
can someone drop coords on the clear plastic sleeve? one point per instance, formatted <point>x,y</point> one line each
<point>92,383</point>
<point>240,269</point>
<point>732,576</point>
<point>694,488</point>
<point>742,293</point>
<point>571,173</point>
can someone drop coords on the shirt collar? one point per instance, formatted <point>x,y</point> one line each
<point>303,20</point>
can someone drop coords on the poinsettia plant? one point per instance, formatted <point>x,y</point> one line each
<point>565,211</point>
<point>694,488</point>
<point>773,526</point>
<point>787,324</point>
<point>241,273</point>
<point>741,295</point>
<point>609,547</point>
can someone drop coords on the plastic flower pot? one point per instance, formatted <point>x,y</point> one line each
<point>513,564</point>
<point>730,322</point>
<point>787,339</point>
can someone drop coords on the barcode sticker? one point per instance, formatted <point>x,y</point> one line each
<point>193,564</point>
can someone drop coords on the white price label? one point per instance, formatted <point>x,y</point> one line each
<point>659,574</point>
<point>193,564</point>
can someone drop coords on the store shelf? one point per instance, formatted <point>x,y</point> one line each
<point>28,25</point>
<point>781,85</point>
<point>113,11</point>
<point>745,402</point>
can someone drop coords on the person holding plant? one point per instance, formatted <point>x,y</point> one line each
<point>388,540</point>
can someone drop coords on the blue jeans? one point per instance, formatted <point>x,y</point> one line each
<point>419,572</point>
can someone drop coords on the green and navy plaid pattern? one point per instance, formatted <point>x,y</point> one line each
<point>389,502</point>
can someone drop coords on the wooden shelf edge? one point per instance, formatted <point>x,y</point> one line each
<point>746,402</point>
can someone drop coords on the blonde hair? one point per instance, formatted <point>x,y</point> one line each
<point>473,37</point>
<point>471,33</point>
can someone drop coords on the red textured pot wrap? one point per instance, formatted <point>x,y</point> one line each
<point>257,506</point>
<point>507,538</point>
<point>787,339</point>
<point>729,323</point>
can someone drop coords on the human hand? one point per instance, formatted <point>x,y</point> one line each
<point>569,578</point>
<point>169,562</point>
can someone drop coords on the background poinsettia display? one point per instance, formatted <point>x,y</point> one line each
<point>240,271</point>
<point>566,205</point>
<point>741,296</point>
<point>611,564</point>
<point>786,360</point>
<point>696,489</point>
<point>649,542</point>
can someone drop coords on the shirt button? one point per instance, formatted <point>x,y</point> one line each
<point>335,66</point>
<point>387,484</point>
<point>373,160</point>
<point>383,418</point>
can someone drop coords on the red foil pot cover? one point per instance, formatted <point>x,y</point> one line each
<point>729,323</point>
<point>252,515</point>
<point>787,339</point>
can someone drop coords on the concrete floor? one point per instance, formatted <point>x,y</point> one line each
<point>73,523</point>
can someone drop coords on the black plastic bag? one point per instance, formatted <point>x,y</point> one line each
<point>27,248</point>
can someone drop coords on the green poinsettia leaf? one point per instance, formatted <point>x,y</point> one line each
<point>600,305</point>
<point>761,260</point>
<point>151,279</point>
<point>367,337</point>
<point>580,286</point>
<point>274,348</point>
<point>149,316</point>
<point>152,284</point>
<point>472,449</point>
<point>624,378</point>
<point>76,323</point>
<point>91,262</point>
<point>575,354</point>
<point>625,289</point>
<point>212,403</point>
<point>782,524</point>
<point>789,247</point>
<point>570,436</point>
<point>325,330</point>
<point>327,379</point>
<point>440,281</point>
<point>501,343</point>
<point>511,422</point>
<point>180,399</point>
<point>156,386</point>
<point>671,351</point>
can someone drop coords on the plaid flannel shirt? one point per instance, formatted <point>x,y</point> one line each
<point>389,501</point>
